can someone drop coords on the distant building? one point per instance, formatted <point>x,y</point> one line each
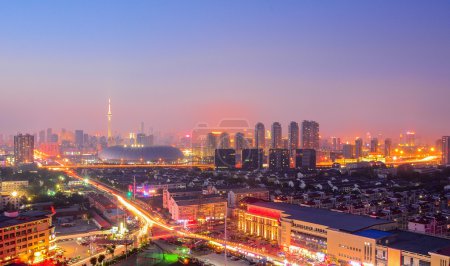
<point>23,149</point>
<point>224,141</point>
<point>374,145</point>
<point>79,138</point>
<point>293,136</point>
<point>335,144</point>
<point>252,159</point>
<point>358,148</point>
<point>279,159</point>
<point>387,147</point>
<point>310,135</point>
<point>348,151</point>
<point>305,159</point>
<point>49,135</point>
<point>225,158</point>
<point>144,140</point>
<point>276,133</point>
<point>446,150</point>
<point>260,136</point>
<point>240,142</point>
<point>432,225</point>
<point>42,138</point>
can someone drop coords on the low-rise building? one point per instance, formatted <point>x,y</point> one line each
<point>236,195</point>
<point>179,192</point>
<point>25,236</point>
<point>13,186</point>
<point>198,209</point>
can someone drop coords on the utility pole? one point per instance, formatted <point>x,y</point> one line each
<point>134,187</point>
<point>225,237</point>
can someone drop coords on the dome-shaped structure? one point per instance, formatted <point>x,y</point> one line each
<point>141,154</point>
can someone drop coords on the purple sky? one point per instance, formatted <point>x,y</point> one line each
<point>353,66</point>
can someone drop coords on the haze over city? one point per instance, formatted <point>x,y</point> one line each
<point>379,67</point>
<point>225,133</point>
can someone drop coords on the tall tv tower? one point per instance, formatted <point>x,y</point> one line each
<point>109,115</point>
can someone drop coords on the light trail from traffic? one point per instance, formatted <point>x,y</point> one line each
<point>150,221</point>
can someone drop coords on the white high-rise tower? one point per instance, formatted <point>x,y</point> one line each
<point>109,115</point>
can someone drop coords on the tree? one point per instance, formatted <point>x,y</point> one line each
<point>93,261</point>
<point>101,258</point>
<point>111,250</point>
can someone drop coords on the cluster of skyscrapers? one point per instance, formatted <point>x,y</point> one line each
<point>267,147</point>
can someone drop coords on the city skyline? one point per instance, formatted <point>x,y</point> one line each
<point>355,69</point>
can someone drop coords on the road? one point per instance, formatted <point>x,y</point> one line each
<point>139,209</point>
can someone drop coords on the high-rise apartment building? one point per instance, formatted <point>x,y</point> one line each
<point>276,141</point>
<point>79,138</point>
<point>374,145</point>
<point>293,136</point>
<point>446,150</point>
<point>358,148</point>
<point>23,148</point>
<point>240,142</point>
<point>310,135</point>
<point>224,141</point>
<point>279,159</point>
<point>260,136</point>
<point>387,147</point>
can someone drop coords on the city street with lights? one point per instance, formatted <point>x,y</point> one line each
<point>147,217</point>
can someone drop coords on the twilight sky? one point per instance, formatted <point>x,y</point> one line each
<point>353,66</point>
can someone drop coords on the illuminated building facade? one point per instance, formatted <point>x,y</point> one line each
<point>341,238</point>
<point>252,159</point>
<point>201,208</point>
<point>446,150</point>
<point>260,222</point>
<point>276,133</point>
<point>279,159</point>
<point>310,135</point>
<point>27,236</point>
<point>24,148</point>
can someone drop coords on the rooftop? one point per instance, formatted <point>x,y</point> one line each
<point>250,190</point>
<point>374,234</point>
<point>24,217</point>
<point>336,220</point>
<point>414,242</point>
